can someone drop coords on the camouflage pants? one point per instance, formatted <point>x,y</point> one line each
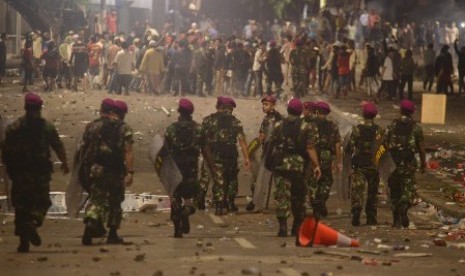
<point>289,195</point>
<point>319,190</point>
<point>225,182</point>
<point>204,180</point>
<point>31,200</point>
<point>362,178</point>
<point>106,196</point>
<point>204,79</point>
<point>402,187</point>
<point>300,84</point>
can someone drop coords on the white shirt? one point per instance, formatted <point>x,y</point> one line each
<point>364,19</point>
<point>256,61</point>
<point>388,74</point>
<point>124,62</point>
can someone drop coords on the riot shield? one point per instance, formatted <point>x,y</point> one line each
<point>164,165</point>
<point>344,186</point>
<point>5,183</point>
<point>383,161</point>
<point>75,197</point>
<point>262,184</point>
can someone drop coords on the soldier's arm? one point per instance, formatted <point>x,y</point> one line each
<point>311,140</point>
<point>59,149</point>
<point>128,156</point>
<point>245,153</point>
<point>243,145</point>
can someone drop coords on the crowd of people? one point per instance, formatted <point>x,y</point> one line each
<point>323,54</point>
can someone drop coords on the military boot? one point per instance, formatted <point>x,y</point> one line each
<point>219,208</point>
<point>323,210</point>
<point>371,220</point>
<point>23,244</point>
<point>113,237</point>
<point>356,216</point>
<point>231,204</point>
<point>396,218</point>
<point>282,227</point>
<point>185,225</point>
<point>403,216</point>
<point>87,236</point>
<point>34,237</point>
<point>177,228</point>
<point>295,226</point>
<point>250,206</point>
<point>201,201</point>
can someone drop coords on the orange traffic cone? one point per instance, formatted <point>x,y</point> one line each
<point>313,232</point>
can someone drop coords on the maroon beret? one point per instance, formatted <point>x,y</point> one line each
<point>295,105</point>
<point>229,101</point>
<point>323,106</point>
<point>32,101</point>
<point>108,103</point>
<point>186,106</point>
<point>309,105</point>
<point>407,106</point>
<point>120,106</point>
<point>269,99</point>
<point>219,100</point>
<point>272,44</point>
<point>370,110</point>
<point>299,42</point>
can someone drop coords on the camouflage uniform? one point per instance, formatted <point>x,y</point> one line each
<point>403,139</point>
<point>203,60</point>
<point>103,150</point>
<point>183,141</point>
<point>365,173</point>
<point>26,155</point>
<point>300,66</point>
<point>220,133</point>
<point>290,138</point>
<point>326,147</point>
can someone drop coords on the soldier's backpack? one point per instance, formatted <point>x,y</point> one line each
<point>364,146</point>
<point>401,148</point>
<point>290,146</point>
<point>326,143</point>
<point>103,147</point>
<point>224,144</point>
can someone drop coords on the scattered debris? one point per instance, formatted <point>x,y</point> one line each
<point>140,257</point>
<point>413,255</point>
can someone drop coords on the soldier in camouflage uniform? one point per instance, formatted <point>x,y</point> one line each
<point>26,155</point>
<point>404,138</point>
<point>220,133</point>
<point>300,67</point>
<point>107,150</point>
<point>272,116</point>
<point>294,143</point>
<point>202,65</point>
<point>329,154</point>
<point>183,141</point>
<point>365,174</point>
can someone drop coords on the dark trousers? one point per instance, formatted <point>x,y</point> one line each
<point>461,81</point>
<point>123,81</point>
<point>429,77</point>
<point>180,81</point>
<point>389,86</point>
<point>406,79</point>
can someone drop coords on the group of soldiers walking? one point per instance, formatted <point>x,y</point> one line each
<point>301,150</point>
